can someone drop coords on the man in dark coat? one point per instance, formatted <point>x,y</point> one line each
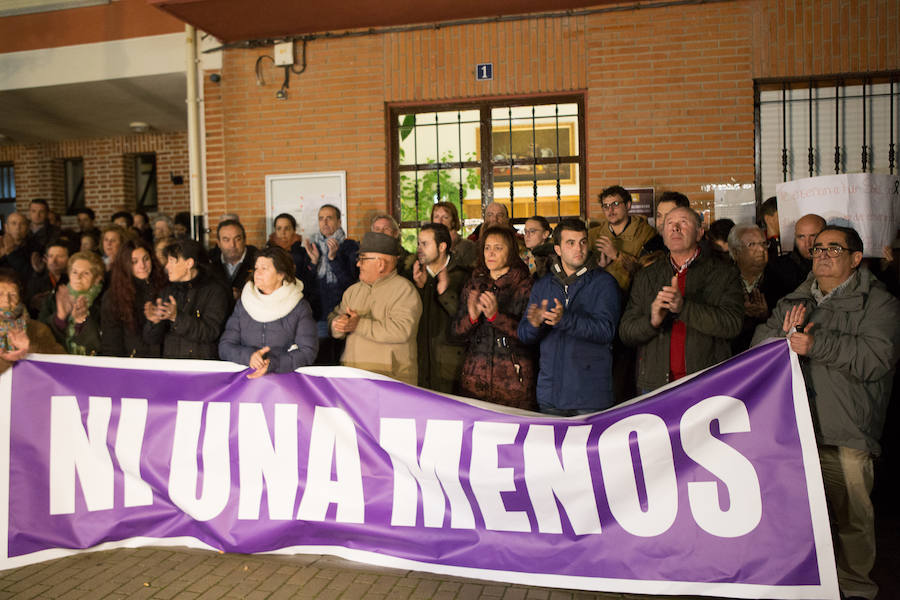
<point>788,271</point>
<point>332,259</point>
<point>41,231</point>
<point>43,285</point>
<point>684,309</point>
<point>232,259</point>
<point>439,279</point>
<point>15,252</point>
<point>190,314</point>
<point>573,312</point>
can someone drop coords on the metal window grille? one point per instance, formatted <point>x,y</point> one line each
<point>525,153</point>
<point>805,127</point>
<point>7,182</point>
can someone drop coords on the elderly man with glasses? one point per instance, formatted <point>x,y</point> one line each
<point>619,240</point>
<point>748,247</point>
<point>845,326</point>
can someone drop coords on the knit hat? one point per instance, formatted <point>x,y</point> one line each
<point>379,243</point>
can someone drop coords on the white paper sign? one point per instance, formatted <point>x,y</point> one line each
<point>868,202</point>
<point>737,205</point>
<point>302,195</point>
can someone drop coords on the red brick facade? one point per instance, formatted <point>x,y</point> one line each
<point>668,99</point>
<point>669,93</point>
<point>108,175</point>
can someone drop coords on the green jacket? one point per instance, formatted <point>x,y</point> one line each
<point>850,367</point>
<point>440,360</point>
<point>629,243</point>
<point>713,312</point>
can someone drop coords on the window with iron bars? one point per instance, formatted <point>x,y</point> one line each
<point>527,154</point>
<point>806,127</point>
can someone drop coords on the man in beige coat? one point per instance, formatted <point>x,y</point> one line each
<point>379,315</point>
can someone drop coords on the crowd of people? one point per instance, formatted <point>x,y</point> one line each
<point>566,320</point>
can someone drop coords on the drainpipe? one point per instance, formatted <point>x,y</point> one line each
<point>194,145</point>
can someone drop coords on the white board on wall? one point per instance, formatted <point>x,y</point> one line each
<point>302,195</point>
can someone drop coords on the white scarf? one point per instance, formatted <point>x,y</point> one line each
<point>265,308</point>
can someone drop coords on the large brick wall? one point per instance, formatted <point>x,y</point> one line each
<point>669,93</point>
<point>108,185</point>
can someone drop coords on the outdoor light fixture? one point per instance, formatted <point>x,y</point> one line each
<point>139,127</point>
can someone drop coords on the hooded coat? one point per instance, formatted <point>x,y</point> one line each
<point>576,354</point>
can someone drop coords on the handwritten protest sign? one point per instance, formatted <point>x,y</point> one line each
<point>868,202</point>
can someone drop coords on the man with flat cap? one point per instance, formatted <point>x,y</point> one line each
<point>379,315</point>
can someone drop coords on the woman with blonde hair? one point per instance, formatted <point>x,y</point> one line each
<point>76,320</point>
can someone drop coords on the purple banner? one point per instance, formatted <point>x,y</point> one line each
<point>711,486</point>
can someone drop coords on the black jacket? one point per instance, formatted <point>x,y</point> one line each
<point>116,338</point>
<point>241,275</point>
<point>202,308</point>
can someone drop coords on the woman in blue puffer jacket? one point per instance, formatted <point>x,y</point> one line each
<point>272,328</point>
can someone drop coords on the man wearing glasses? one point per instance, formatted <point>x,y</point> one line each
<point>619,240</point>
<point>748,247</point>
<point>789,270</point>
<point>845,326</point>
<point>379,314</point>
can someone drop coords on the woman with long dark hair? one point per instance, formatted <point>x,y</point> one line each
<point>497,367</point>
<point>136,277</point>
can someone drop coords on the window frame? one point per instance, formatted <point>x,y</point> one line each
<point>7,181</point>
<point>75,199</point>
<point>845,146</point>
<point>485,163</point>
<point>139,197</point>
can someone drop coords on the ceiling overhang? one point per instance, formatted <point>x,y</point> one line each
<point>240,20</point>
<point>93,108</point>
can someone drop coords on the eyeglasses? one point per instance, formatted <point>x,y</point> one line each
<point>752,245</point>
<point>612,205</point>
<point>532,231</point>
<point>832,251</point>
<point>365,258</point>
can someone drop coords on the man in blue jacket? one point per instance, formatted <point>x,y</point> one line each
<point>572,313</point>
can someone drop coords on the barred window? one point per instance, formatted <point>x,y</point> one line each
<point>527,154</point>
<point>806,127</point>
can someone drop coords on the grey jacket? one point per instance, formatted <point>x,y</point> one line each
<point>850,367</point>
<point>713,312</point>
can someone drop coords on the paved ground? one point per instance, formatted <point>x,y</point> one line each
<point>179,573</point>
